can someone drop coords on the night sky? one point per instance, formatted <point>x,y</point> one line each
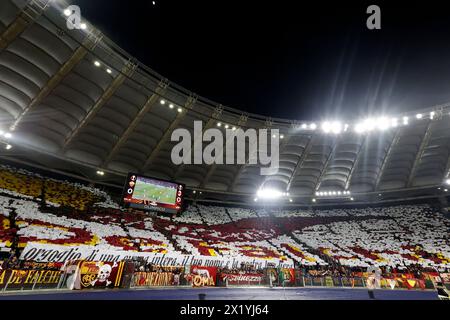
<point>289,59</point>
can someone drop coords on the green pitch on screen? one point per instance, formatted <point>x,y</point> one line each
<point>150,192</point>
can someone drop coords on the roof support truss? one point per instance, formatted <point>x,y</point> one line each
<point>386,158</point>
<point>32,11</point>
<point>168,133</point>
<point>151,102</point>
<point>89,43</point>
<point>127,71</point>
<point>355,164</point>
<point>423,145</point>
<point>216,115</point>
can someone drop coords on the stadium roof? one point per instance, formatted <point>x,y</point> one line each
<point>74,101</point>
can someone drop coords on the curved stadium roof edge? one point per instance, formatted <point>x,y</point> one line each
<point>78,116</point>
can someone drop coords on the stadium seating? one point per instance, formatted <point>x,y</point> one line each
<point>396,236</point>
<point>29,185</point>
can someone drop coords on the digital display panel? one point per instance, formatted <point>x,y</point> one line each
<point>152,194</point>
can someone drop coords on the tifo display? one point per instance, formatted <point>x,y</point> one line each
<point>150,194</point>
<point>209,245</point>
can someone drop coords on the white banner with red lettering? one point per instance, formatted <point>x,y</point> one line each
<point>39,252</point>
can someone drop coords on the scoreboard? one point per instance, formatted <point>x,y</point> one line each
<point>150,194</point>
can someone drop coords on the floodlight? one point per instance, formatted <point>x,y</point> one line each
<point>383,123</point>
<point>336,127</point>
<point>359,128</point>
<point>394,122</point>
<point>326,127</point>
<point>269,194</point>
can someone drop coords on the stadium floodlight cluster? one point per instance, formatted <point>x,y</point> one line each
<point>270,194</point>
<point>4,138</point>
<point>333,193</point>
<point>382,123</point>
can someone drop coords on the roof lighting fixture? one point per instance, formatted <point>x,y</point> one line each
<point>180,110</point>
<point>219,124</point>
<point>419,116</point>
<point>369,124</point>
<point>163,102</point>
<point>171,106</point>
<point>405,121</point>
<point>227,126</point>
<point>109,71</point>
<point>432,114</point>
<point>8,147</point>
<point>359,128</point>
<point>447,182</point>
<point>383,123</point>
<point>8,135</point>
<point>269,194</point>
<point>326,127</point>
<point>83,26</point>
<point>282,137</point>
<point>97,64</point>
<point>290,200</point>
<point>100,173</point>
<point>394,122</point>
<point>314,200</point>
<point>352,199</point>
<point>336,127</point>
<point>67,12</point>
<point>304,126</point>
<point>313,126</point>
<point>234,129</point>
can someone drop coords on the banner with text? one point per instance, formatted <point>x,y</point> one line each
<point>38,252</point>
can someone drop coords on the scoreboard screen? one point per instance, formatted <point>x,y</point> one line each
<point>152,194</point>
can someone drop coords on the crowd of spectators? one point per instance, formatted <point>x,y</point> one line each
<point>333,241</point>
